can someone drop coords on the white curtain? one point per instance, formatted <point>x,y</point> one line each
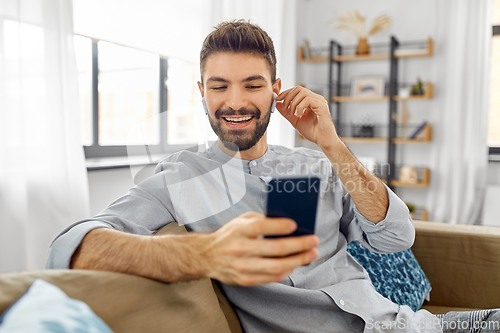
<point>278,19</point>
<point>462,75</point>
<point>43,180</point>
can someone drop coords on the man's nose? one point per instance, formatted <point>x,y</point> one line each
<point>236,99</point>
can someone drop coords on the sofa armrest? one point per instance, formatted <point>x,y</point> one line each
<point>130,303</point>
<point>462,262</point>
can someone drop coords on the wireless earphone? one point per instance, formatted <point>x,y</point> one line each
<point>273,105</point>
<point>204,105</point>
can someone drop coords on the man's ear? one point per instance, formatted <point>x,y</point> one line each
<point>277,86</point>
<point>202,91</point>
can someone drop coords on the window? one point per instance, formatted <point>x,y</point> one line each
<point>132,98</point>
<point>494,108</point>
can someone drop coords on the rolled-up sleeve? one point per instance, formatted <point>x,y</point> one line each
<point>63,247</point>
<point>394,233</point>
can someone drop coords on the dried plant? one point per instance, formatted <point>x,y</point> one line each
<point>354,22</point>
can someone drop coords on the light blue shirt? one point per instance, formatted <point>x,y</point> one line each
<point>206,189</point>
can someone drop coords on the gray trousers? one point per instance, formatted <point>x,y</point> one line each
<point>483,321</point>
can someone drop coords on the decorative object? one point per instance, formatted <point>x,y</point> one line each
<point>411,207</point>
<point>363,127</point>
<point>368,86</point>
<point>418,88</point>
<point>408,174</point>
<point>396,276</point>
<point>404,93</point>
<point>403,118</point>
<point>354,22</point>
<point>307,49</point>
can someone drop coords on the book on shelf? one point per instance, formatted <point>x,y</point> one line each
<point>418,130</point>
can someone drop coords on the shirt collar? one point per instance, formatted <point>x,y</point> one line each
<point>216,154</point>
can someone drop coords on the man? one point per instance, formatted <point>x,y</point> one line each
<point>299,284</point>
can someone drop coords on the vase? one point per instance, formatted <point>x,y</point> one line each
<point>363,47</point>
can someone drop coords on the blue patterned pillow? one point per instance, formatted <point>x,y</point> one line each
<point>397,276</point>
<point>46,308</point>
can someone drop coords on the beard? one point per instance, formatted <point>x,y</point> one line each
<point>239,139</point>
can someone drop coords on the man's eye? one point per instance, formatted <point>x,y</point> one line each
<point>254,87</point>
<point>219,88</point>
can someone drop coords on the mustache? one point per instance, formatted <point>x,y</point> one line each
<point>241,112</point>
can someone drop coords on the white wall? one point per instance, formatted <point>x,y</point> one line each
<point>107,185</point>
<point>152,25</point>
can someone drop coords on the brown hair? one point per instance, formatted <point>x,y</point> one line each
<point>239,37</point>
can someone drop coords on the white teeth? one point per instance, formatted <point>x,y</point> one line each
<point>237,119</point>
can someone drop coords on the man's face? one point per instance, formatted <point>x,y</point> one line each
<point>238,92</point>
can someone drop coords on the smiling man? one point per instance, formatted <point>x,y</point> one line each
<point>238,99</point>
<point>293,284</point>
<point>237,95</point>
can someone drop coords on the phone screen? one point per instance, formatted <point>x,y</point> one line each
<point>295,197</point>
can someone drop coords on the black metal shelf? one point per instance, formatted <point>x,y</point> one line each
<point>339,93</point>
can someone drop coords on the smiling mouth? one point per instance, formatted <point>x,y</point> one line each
<point>238,120</point>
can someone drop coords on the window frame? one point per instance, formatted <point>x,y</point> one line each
<point>494,151</point>
<point>95,150</point>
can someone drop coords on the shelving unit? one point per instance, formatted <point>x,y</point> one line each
<point>336,58</point>
<point>407,53</point>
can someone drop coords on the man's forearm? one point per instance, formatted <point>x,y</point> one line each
<point>234,254</point>
<point>168,260</point>
<point>366,190</point>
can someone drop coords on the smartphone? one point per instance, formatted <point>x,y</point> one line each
<point>295,197</point>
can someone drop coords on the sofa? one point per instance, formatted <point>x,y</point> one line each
<point>462,263</point>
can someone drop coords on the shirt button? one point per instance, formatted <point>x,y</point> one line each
<point>253,163</point>
<point>342,302</point>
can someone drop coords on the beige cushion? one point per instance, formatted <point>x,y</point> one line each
<point>130,303</point>
<point>462,263</point>
<point>434,309</point>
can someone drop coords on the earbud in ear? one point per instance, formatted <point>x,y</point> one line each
<point>273,106</point>
<point>204,105</point>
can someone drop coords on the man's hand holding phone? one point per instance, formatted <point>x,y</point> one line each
<point>238,254</point>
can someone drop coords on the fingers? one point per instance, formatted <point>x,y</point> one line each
<point>277,265</point>
<point>297,100</point>
<point>254,225</point>
<point>256,271</point>
<point>282,247</point>
<point>303,99</point>
<point>251,280</point>
<point>290,95</point>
